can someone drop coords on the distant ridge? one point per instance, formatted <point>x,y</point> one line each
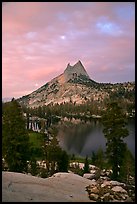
<point>6,99</point>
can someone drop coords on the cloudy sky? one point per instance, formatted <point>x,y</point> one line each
<point>39,39</point>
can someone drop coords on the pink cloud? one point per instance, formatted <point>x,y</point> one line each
<point>39,39</point>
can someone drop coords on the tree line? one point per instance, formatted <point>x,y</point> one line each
<point>82,111</point>
<point>17,151</point>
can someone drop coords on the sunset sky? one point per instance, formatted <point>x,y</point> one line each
<point>39,39</point>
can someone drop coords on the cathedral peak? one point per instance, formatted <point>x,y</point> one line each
<point>77,69</point>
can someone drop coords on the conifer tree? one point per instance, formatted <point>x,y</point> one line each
<point>15,140</point>
<point>86,165</point>
<point>63,162</point>
<point>127,169</point>
<point>114,131</point>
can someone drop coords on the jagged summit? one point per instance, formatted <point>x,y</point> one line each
<point>75,71</point>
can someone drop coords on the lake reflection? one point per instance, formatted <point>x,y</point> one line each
<point>84,137</point>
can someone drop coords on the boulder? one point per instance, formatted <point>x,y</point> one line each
<point>89,176</point>
<point>116,183</point>
<point>119,189</point>
<point>93,196</point>
<point>94,190</point>
<point>61,187</point>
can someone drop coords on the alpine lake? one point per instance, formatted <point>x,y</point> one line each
<point>81,138</point>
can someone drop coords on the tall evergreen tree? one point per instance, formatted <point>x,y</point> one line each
<point>56,158</point>
<point>128,167</point>
<point>114,131</point>
<point>53,152</point>
<point>63,162</point>
<point>15,140</point>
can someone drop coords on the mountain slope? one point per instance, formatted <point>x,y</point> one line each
<point>73,85</point>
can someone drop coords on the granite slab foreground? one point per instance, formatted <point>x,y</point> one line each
<point>61,187</point>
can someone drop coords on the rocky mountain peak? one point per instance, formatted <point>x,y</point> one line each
<point>75,71</point>
<point>75,84</point>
